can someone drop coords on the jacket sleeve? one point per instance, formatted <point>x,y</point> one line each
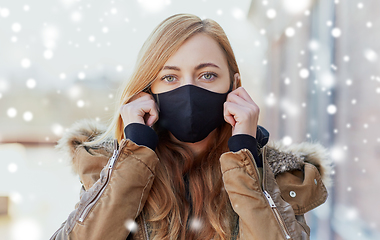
<point>263,214</point>
<point>117,196</point>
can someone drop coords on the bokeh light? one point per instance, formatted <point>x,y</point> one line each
<point>153,5</point>
<point>12,112</point>
<point>131,225</point>
<point>296,6</point>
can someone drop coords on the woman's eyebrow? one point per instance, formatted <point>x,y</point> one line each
<point>171,68</point>
<point>203,65</point>
<point>200,66</point>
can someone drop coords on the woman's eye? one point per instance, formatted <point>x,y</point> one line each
<point>209,76</point>
<point>169,78</point>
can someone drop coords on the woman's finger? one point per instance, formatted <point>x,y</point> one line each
<point>142,96</point>
<point>142,110</point>
<point>241,92</point>
<point>242,102</point>
<point>230,112</point>
<point>243,119</point>
<point>232,97</point>
<point>152,115</point>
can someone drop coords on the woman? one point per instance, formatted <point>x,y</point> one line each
<point>188,160</point>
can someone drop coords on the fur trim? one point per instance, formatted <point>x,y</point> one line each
<point>280,157</point>
<point>85,130</point>
<point>285,158</point>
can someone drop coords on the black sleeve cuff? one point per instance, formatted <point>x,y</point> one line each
<point>141,135</point>
<point>241,141</point>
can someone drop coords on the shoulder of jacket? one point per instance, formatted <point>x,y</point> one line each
<point>284,158</point>
<point>82,131</point>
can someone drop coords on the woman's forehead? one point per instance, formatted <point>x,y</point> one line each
<point>198,49</point>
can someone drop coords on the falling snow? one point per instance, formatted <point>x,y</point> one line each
<point>25,63</point>
<point>270,100</point>
<point>290,32</point>
<point>196,224</point>
<point>287,140</point>
<point>75,84</point>
<point>131,225</point>
<point>57,129</point>
<point>271,13</point>
<point>331,109</point>
<point>48,54</point>
<point>31,83</point>
<point>16,27</point>
<point>81,75</point>
<point>4,12</point>
<point>370,55</point>
<point>12,167</point>
<point>304,73</point>
<point>80,103</point>
<point>28,116</point>
<point>12,112</point>
<point>336,32</point>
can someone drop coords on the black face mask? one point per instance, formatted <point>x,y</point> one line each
<point>189,112</point>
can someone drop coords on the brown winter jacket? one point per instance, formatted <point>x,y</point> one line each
<point>270,202</point>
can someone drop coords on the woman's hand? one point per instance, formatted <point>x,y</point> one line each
<point>241,112</point>
<point>141,109</point>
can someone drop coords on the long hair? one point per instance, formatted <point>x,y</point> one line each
<point>187,198</point>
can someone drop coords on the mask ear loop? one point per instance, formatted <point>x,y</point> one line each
<point>154,95</point>
<point>156,99</point>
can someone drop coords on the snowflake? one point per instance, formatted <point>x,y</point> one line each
<point>31,83</point>
<point>48,54</point>
<point>304,73</point>
<point>80,103</point>
<point>331,109</point>
<point>287,140</point>
<point>131,225</point>
<point>195,224</point>
<point>12,112</point>
<point>57,129</point>
<point>4,12</point>
<point>25,63</point>
<point>12,167</point>
<point>370,55</point>
<point>271,13</point>
<point>28,116</point>
<point>16,27</point>
<point>336,32</point>
<point>289,32</point>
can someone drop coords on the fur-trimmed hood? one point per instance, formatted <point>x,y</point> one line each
<point>280,157</point>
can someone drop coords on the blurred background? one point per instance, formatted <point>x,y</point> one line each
<point>311,65</point>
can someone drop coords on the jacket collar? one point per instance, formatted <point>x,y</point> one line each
<point>281,158</point>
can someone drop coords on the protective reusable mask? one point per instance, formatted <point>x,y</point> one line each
<point>189,112</point>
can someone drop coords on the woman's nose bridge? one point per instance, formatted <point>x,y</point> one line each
<point>188,79</point>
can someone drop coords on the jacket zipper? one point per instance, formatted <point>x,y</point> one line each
<point>110,167</point>
<point>277,214</point>
<point>273,206</point>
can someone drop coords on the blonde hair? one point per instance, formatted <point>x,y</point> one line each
<point>167,206</point>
